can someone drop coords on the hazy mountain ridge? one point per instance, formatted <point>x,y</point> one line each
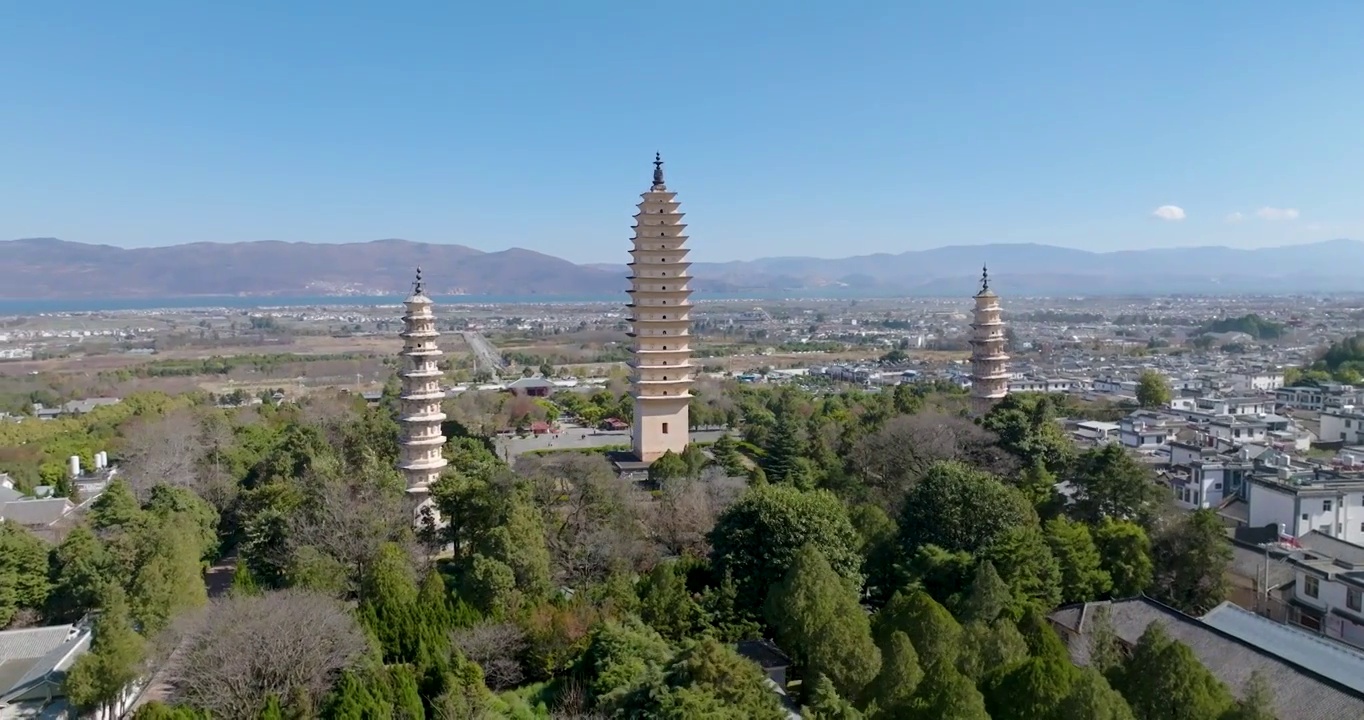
<point>47,268</point>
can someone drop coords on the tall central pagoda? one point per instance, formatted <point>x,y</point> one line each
<point>660,324</point>
<point>989,364</point>
<point>421,445</point>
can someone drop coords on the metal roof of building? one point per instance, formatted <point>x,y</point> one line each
<point>1300,692</point>
<point>1338,662</point>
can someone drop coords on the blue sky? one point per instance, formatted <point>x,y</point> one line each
<point>792,128</point>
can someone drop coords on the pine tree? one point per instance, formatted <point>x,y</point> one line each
<point>405,693</point>
<point>1164,681</point>
<point>1082,576</point>
<point>243,582</point>
<point>899,677</point>
<point>99,677</point>
<point>818,620</point>
<point>824,703</point>
<point>665,603</point>
<point>1091,698</point>
<point>988,647</point>
<point>1125,552</point>
<point>1105,650</point>
<point>946,694</point>
<point>930,628</point>
<point>1032,689</point>
<point>986,597</point>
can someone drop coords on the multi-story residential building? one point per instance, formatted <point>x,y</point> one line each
<point>1112,385</point>
<point>1043,385</point>
<point>1256,380</point>
<point>1328,589</point>
<point>1311,397</point>
<point>1238,430</point>
<point>1344,425</point>
<point>1205,483</point>
<point>1095,432</point>
<point>1146,430</point>
<point>1302,499</point>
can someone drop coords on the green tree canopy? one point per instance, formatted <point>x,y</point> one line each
<point>755,540</point>
<point>817,619</point>
<point>958,508</point>
<point>1164,681</point>
<point>1109,482</point>
<point>1082,575</point>
<point>1125,554</point>
<point>1153,390</point>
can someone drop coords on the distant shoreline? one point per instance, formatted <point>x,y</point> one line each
<point>16,306</point>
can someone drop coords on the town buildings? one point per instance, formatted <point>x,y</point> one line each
<point>421,444</point>
<point>660,322</point>
<point>989,364</point>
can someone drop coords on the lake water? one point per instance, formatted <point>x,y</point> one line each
<point>16,306</point>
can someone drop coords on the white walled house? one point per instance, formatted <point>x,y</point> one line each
<point>1345,425</point>
<point>1310,397</point>
<point>1114,386</point>
<point>1333,508</point>
<point>1251,381</point>
<point>1144,430</point>
<point>1328,588</point>
<point>1238,431</point>
<point>1043,385</point>
<point>1205,484</point>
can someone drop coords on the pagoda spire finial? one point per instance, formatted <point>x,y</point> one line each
<point>984,278</point>
<point>417,286</point>
<point>658,168</point>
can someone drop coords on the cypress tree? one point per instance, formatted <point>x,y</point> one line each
<point>818,620</point>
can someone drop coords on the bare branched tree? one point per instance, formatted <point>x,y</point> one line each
<point>496,648</point>
<point>686,510</point>
<point>165,450</point>
<point>350,513</point>
<point>239,651</point>
<point>329,412</point>
<point>893,459</point>
<point>591,525</point>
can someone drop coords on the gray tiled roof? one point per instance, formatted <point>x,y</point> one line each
<point>1299,693</point>
<point>27,655</point>
<point>1333,548</point>
<point>35,512</point>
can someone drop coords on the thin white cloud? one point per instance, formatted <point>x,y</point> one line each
<point>1273,213</point>
<point>1169,212</point>
<point>1235,217</point>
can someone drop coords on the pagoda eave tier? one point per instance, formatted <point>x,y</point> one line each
<point>644,365</point>
<point>423,465</point>
<point>661,322</point>
<point>661,338</point>
<point>422,418</point>
<point>684,304</point>
<point>662,399</point>
<point>682,267</point>
<point>423,441</point>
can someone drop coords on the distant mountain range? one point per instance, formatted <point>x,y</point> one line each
<point>40,268</point>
